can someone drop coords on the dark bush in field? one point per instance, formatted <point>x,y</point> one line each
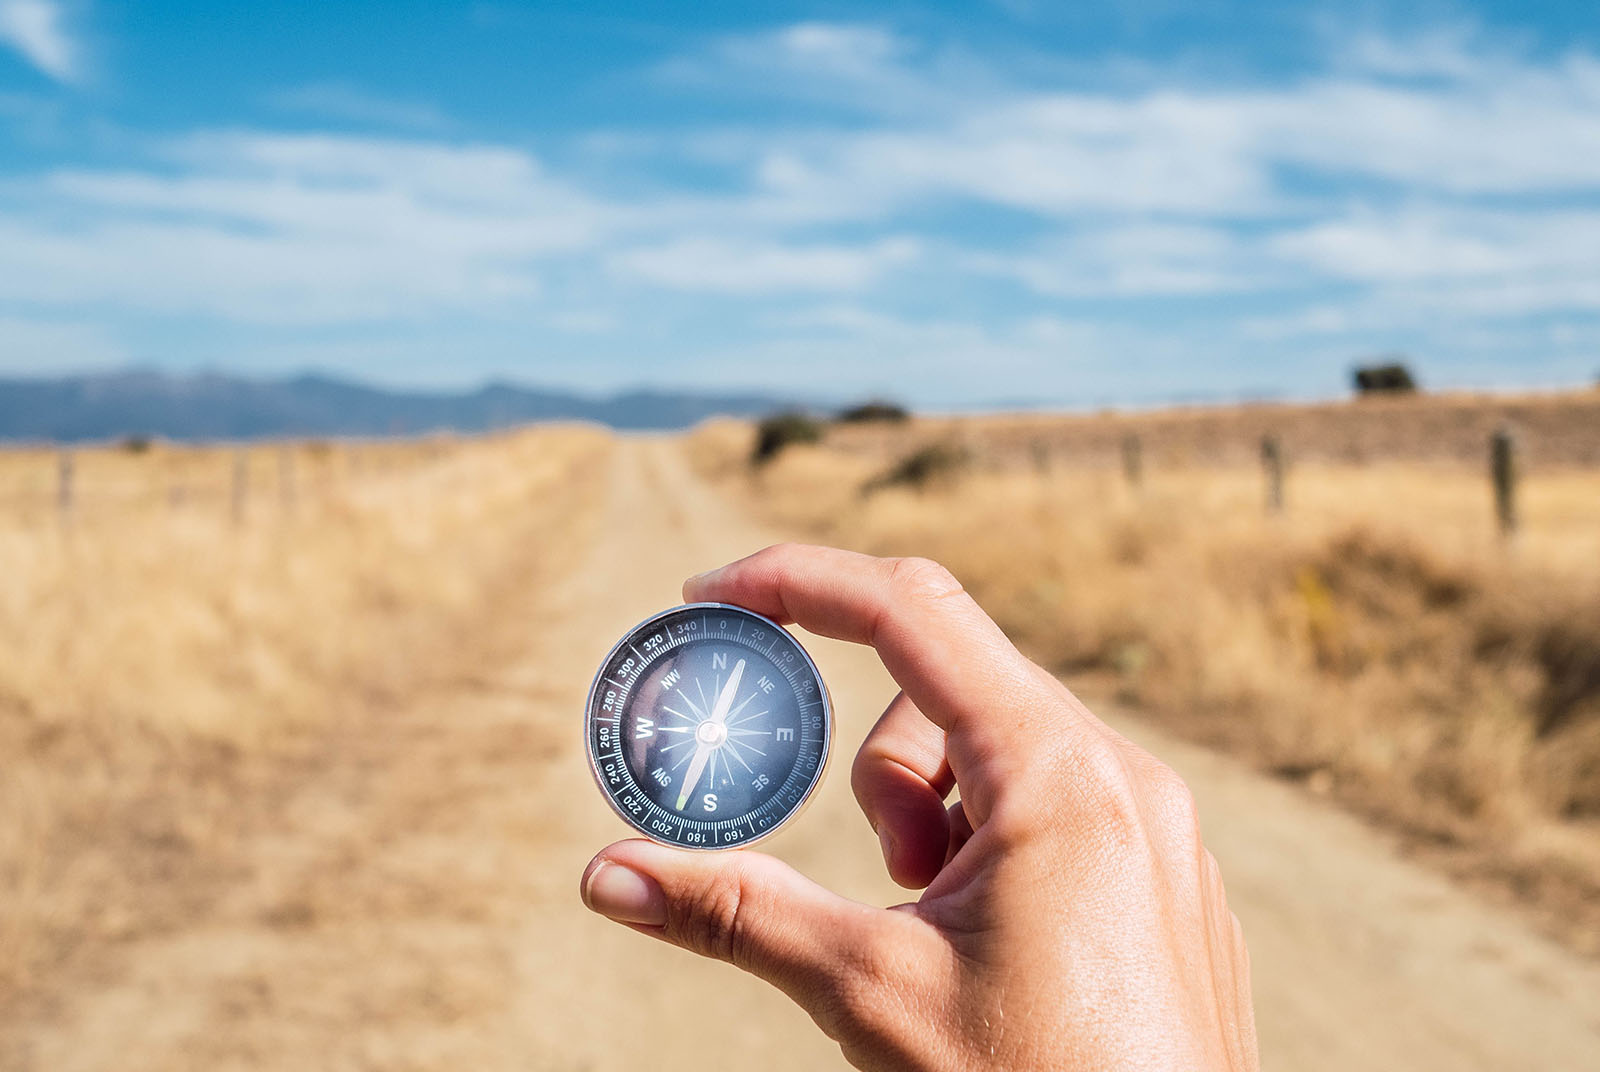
<point>136,444</point>
<point>782,430</point>
<point>921,468</point>
<point>875,410</point>
<point>1389,378</point>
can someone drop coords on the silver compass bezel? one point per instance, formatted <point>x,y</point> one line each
<point>594,761</point>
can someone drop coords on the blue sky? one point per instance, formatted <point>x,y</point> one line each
<point>957,205</point>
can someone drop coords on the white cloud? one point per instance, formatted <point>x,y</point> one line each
<point>1424,244</point>
<point>1408,190</point>
<point>857,67</point>
<point>37,30</point>
<point>32,345</point>
<point>298,230</point>
<point>339,100</point>
<point>1135,259</point>
<point>719,266</point>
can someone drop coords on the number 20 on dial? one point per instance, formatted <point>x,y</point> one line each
<point>708,727</point>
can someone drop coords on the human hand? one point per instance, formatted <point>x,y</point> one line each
<point>1071,918</point>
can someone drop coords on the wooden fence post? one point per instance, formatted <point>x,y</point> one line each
<point>1272,467</point>
<point>1133,460</point>
<point>241,484</point>
<point>1503,472</point>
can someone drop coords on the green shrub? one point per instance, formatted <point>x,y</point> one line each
<point>875,410</point>
<point>922,467</point>
<point>781,430</point>
<point>1391,377</point>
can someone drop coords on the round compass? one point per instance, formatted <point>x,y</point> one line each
<point>708,727</point>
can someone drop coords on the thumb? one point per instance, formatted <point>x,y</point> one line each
<point>844,962</point>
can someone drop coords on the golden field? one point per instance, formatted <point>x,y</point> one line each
<point>1378,640</point>
<point>166,662</point>
<point>298,782</point>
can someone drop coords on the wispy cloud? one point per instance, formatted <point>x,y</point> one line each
<point>347,103</point>
<point>721,267</point>
<point>298,230</point>
<point>1434,193</point>
<point>37,30</point>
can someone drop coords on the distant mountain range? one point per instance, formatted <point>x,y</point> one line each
<point>216,406</point>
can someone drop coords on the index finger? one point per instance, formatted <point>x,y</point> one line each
<point>949,657</point>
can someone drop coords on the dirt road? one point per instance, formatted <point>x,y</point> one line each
<point>417,907</point>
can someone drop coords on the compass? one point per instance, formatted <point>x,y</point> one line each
<point>708,727</point>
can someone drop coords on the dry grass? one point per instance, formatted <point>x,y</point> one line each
<point>1377,641</point>
<point>163,662</point>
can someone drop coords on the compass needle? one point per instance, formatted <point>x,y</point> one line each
<point>676,750</point>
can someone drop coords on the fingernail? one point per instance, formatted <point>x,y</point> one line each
<point>622,894</point>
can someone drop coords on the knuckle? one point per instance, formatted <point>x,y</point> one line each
<point>1009,826</point>
<point>783,550</point>
<point>922,579</point>
<point>1174,802</point>
<point>774,556</point>
<point>1102,784</point>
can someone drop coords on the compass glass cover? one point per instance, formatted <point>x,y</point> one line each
<point>708,727</point>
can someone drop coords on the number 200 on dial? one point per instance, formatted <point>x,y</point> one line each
<point>708,727</point>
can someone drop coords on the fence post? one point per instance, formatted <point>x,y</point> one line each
<point>1272,466</point>
<point>64,465</point>
<point>1133,460</point>
<point>1503,471</point>
<point>241,484</point>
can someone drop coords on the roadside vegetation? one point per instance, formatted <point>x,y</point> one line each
<point>1377,641</point>
<point>182,630</point>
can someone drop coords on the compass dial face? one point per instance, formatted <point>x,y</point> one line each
<point>708,727</point>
